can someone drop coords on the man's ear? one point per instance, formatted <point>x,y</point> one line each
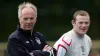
<point>19,21</point>
<point>73,22</point>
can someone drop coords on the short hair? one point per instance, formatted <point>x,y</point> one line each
<point>81,13</point>
<point>26,5</point>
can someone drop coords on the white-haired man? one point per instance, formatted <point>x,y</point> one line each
<point>25,41</point>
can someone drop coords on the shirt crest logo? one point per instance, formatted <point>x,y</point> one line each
<point>27,41</point>
<point>38,40</point>
<point>83,50</point>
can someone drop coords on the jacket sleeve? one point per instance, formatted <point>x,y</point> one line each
<point>53,50</point>
<point>15,48</point>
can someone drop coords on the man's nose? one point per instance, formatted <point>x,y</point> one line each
<point>28,21</point>
<point>83,24</point>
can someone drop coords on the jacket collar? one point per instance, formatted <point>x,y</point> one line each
<point>26,33</point>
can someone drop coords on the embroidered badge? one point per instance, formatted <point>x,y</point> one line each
<point>27,41</point>
<point>38,40</point>
<point>83,50</point>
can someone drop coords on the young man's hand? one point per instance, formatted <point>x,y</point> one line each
<point>47,48</point>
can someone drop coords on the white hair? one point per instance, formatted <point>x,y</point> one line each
<point>26,5</point>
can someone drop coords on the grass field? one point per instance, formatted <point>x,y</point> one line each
<point>2,48</point>
<point>95,46</point>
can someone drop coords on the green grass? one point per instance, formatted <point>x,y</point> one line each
<point>96,44</point>
<point>51,43</point>
<point>3,46</point>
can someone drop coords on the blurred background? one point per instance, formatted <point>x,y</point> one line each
<point>54,19</point>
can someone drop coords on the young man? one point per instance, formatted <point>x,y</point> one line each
<point>25,41</point>
<point>75,42</point>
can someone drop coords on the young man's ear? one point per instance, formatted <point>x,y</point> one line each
<point>73,22</point>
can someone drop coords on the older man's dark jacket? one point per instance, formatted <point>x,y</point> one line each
<point>25,43</point>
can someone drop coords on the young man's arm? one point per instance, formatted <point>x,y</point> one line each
<point>61,50</point>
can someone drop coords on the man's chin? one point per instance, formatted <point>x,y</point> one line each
<point>28,28</point>
<point>82,33</point>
